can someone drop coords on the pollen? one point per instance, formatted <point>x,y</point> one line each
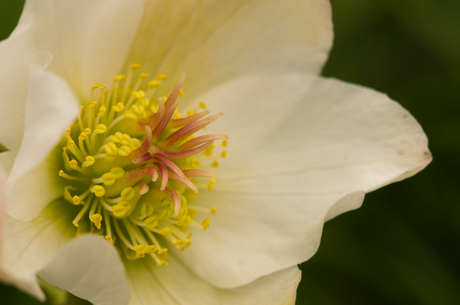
<point>134,167</point>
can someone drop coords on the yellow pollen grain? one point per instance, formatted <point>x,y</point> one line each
<point>224,154</point>
<point>215,164</point>
<point>181,92</point>
<point>190,112</point>
<point>213,210</point>
<point>224,142</point>
<point>211,184</point>
<point>202,104</point>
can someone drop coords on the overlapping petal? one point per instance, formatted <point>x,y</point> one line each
<point>176,284</point>
<point>51,107</point>
<point>86,40</point>
<point>97,272</point>
<point>30,246</point>
<point>304,150</point>
<point>214,41</point>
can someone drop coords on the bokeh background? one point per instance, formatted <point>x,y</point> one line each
<point>402,246</point>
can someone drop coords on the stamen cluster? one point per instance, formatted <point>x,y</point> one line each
<point>133,166</point>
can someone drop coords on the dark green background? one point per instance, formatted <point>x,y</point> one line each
<point>401,247</point>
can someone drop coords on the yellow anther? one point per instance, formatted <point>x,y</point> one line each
<point>118,78</point>
<point>215,164</point>
<point>144,101</point>
<point>87,131</point>
<point>139,109</point>
<point>224,142</point>
<point>211,183</point>
<point>67,132</point>
<point>73,164</point>
<point>96,219</point>
<point>82,136</point>
<point>150,249</point>
<point>202,105</point>
<point>108,178</point>
<point>134,67</point>
<point>153,84</point>
<point>162,250</point>
<point>130,115</point>
<point>128,193</point>
<point>116,138</point>
<point>177,242</point>
<point>119,210</point>
<point>94,103</point>
<point>96,85</point>
<point>101,112</point>
<point>125,139</point>
<point>162,77</point>
<point>140,250</point>
<point>103,87</point>
<point>100,129</point>
<point>151,222</point>
<point>190,112</point>
<point>164,98</point>
<point>205,223</point>
<point>124,151</point>
<point>118,172</point>
<point>89,160</point>
<point>208,151</point>
<point>111,149</point>
<point>165,231</point>
<point>189,235</point>
<point>119,107</point>
<point>99,190</point>
<point>224,154</point>
<point>177,114</point>
<point>138,94</point>
<point>144,75</point>
<point>110,239</point>
<point>162,263</point>
<point>213,210</point>
<point>181,92</point>
<point>147,208</point>
<point>76,200</point>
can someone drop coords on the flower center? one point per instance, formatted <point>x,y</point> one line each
<point>132,165</point>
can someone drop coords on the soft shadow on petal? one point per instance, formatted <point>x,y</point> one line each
<point>30,246</point>
<point>302,150</point>
<point>90,268</point>
<point>88,41</point>
<point>51,108</point>
<point>214,41</point>
<point>175,284</point>
<point>92,39</point>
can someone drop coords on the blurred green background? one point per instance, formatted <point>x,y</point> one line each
<point>402,246</point>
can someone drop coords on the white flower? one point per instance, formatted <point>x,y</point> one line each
<point>303,149</point>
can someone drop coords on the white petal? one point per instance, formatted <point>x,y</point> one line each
<point>90,268</point>
<point>302,150</point>
<point>213,41</point>
<point>51,108</point>
<point>92,39</point>
<point>175,284</point>
<point>29,246</point>
<point>88,41</point>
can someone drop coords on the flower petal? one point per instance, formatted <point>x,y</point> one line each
<point>303,150</point>
<point>176,284</point>
<point>51,108</point>
<point>87,40</point>
<point>90,268</point>
<point>30,246</point>
<point>92,39</point>
<point>213,41</point>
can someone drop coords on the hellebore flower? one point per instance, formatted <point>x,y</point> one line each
<point>107,211</point>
